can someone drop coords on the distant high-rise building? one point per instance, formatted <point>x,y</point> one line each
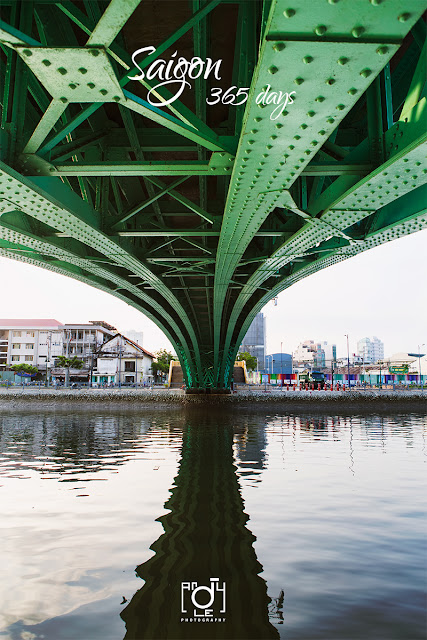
<point>370,350</point>
<point>136,336</point>
<point>318,354</point>
<point>255,339</point>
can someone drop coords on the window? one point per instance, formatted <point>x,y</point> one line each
<point>29,345</point>
<point>15,358</point>
<point>16,334</point>
<point>29,358</point>
<point>30,334</point>
<point>129,366</point>
<point>16,345</point>
<point>129,379</point>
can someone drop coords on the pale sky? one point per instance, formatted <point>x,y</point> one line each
<point>382,292</point>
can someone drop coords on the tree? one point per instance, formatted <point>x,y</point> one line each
<point>161,365</point>
<point>23,367</point>
<point>70,363</point>
<point>251,361</point>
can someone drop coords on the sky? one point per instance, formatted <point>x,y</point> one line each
<point>382,292</point>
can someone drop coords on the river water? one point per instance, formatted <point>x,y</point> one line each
<point>113,524</point>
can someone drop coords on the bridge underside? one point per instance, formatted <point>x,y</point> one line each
<point>199,212</point>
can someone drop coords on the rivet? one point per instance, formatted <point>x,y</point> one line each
<point>279,126</point>
<point>91,85</point>
<point>285,113</point>
<point>82,70</point>
<point>382,50</point>
<point>322,132</point>
<point>46,63</point>
<point>314,143</point>
<point>27,52</point>
<point>320,30</point>
<point>64,100</point>
<point>330,81</point>
<point>254,131</point>
<point>331,120</point>
<point>404,17</point>
<point>273,69</point>
<point>304,126</point>
<point>357,32</point>
<point>365,73</point>
<point>72,85</point>
<point>269,146</point>
<point>307,59</point>
<point>288,13</point>
<point>299,80</point>
<point>94,52</point>
<point>342,61</point>
<point>257,119</point>
<point>116,98</point>
<point>62,71</point>
<point>333,1</point>
<point>103,92</point>
<point>297,137</point>
<point>340,107</point>
<point>279,46</point>
<point>251,141</point>
<point>291,147</point>
<point>319,99</point>
<point>311,113</point>
<point>352,91</point>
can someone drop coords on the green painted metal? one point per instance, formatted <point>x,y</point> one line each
<point>263,194</point>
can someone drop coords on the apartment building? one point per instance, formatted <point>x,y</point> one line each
<point>33,341</point>
<point>371,350</point>
<point>83,340</point>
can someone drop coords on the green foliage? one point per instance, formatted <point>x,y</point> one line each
<point>161,365</point>
<point>251,361</point>
<point>70,363</point>
<point>23,367</point>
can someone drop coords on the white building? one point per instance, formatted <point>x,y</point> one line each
<point>305,352</point>
<point>122,361</point>
<point>83,340</point>
<point>370,350</point>
<point>32,341</point>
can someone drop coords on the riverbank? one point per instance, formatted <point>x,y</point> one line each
<point>106,398</point>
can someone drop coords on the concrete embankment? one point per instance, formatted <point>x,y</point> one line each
<point>415,400</point>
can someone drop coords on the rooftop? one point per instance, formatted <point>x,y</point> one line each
<point>30,323</point>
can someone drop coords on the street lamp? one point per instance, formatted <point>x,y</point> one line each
<point>281,363</point>
<point>419,355</point>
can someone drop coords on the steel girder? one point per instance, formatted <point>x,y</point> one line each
<point>198,215</point>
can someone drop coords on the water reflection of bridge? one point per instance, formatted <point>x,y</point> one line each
<point>205,535</point>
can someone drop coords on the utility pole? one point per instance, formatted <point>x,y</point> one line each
<point>120,363</point>
<point>281,363</point>
<point>67,355</point>
<point>49,349</point>
<point>136,369</point>
<point>348,363</point>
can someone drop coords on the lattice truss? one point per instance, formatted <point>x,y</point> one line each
<point>196,213</point>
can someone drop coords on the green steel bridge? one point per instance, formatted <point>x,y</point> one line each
<point>294,137</point>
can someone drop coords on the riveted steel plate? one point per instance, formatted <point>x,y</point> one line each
<point>371,20</point>
<point>74,74</point>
